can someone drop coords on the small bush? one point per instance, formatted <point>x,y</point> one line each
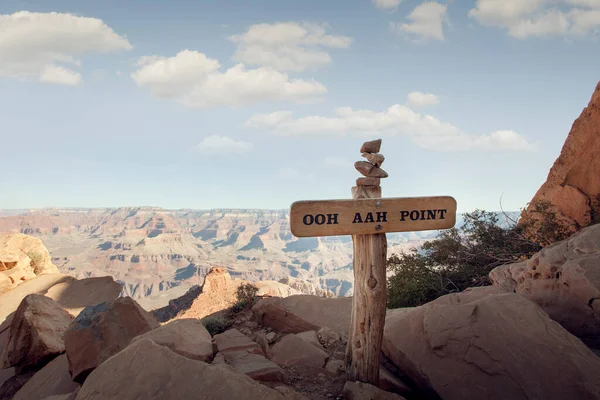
<point>544,227</point>
<point>246,294</point>
<point>36,259</point>
<point>216,325</point>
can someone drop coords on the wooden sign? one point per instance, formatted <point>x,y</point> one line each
<point>370,216</point>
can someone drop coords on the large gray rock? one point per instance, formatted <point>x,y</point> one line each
<point>149,371</point>
<point>255,366</point>
<point>234,340</point>
<point>187,337</point>
<point>36,333</point>
<point>103,330</point>
<point>303,313</point>
<point>564,279</point>
<point>482,345</point>
<point>291,350</point>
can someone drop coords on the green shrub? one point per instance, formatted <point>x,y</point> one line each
<point>36,259</point>
<point>246,294</point>
<point>216,325</point>
<point>457,259</point>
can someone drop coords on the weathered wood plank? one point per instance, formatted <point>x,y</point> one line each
<point>369,216</point>
<point>369,300</point>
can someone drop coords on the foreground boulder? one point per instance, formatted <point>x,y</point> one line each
<point>36,333</point>
<point>52,380</point>
<point>573,183</point>
<point>187,337</point>
<point>301,313</point>
<point>145,370</point>
<point>255,366</point>
<point>564,279</point>
<point>292,350</point>
<point>75,295</point>
<point>103,330</point>
<point>489,346</point>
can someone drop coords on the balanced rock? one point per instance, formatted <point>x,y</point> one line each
<point>234,340</point>
<point>36,333</point>
<point>103,330</point>
<point>52,380</point>
<point>149,371</point>
<point>368,181</point>
<point>187,337</point>
<point>564,279</point>
<point>505,344</point>
<point>218,279</point>
<point>75,295</point>
<point>291,350</point>
<point>374,158</point>
<point>371,147</point>
<point>369,170</point>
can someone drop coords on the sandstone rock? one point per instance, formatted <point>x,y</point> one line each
<point>68,396</point>
<point>310,337</point>
<point>6,374</point>
<point>271,336</point>
<point>17,276</point>
<point>364,391</point>
<point>36,333</point>
<point>368,181</point>
<point>234,340</point>
<point>497,346</point>
<point>103,330</point>
<point>564,279</point>
<point>187,337</point>
<point>272,288</point>
<point>374,158</point>
<point>218,279</point>
<point>148,371</point>
<point>260,337</point>
<point>335,367</point>
<point>5,283</point>
<point>289,393</point>
<point>54,379</point>
<point>372,146</point>
<point>302,313</point>
<point>573,183</point>
<point>327,337</point>
<point>24,251</point>
<point>292,350</point>
<point>75,295</point>
<point>40,284</point>
<point>369,170</point>
<point>255,366</point>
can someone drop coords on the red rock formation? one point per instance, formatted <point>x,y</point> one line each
<point>573,183</point>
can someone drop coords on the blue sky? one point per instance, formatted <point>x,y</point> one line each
<point>256,104</point>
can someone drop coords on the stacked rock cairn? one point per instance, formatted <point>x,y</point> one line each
<point>372,173</point>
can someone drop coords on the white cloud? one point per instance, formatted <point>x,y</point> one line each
<point>39,45</point>
<point>287,46</point>
<point>426,21</point>
<point>424,130</point>
<point>538,18</point>
<point>197,81</point>
<point>422,99</point>
<point>60,75</point>
<point>386,4</point>
<point>220,145</point>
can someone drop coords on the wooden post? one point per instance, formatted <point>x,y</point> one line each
<point>365,335</point>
